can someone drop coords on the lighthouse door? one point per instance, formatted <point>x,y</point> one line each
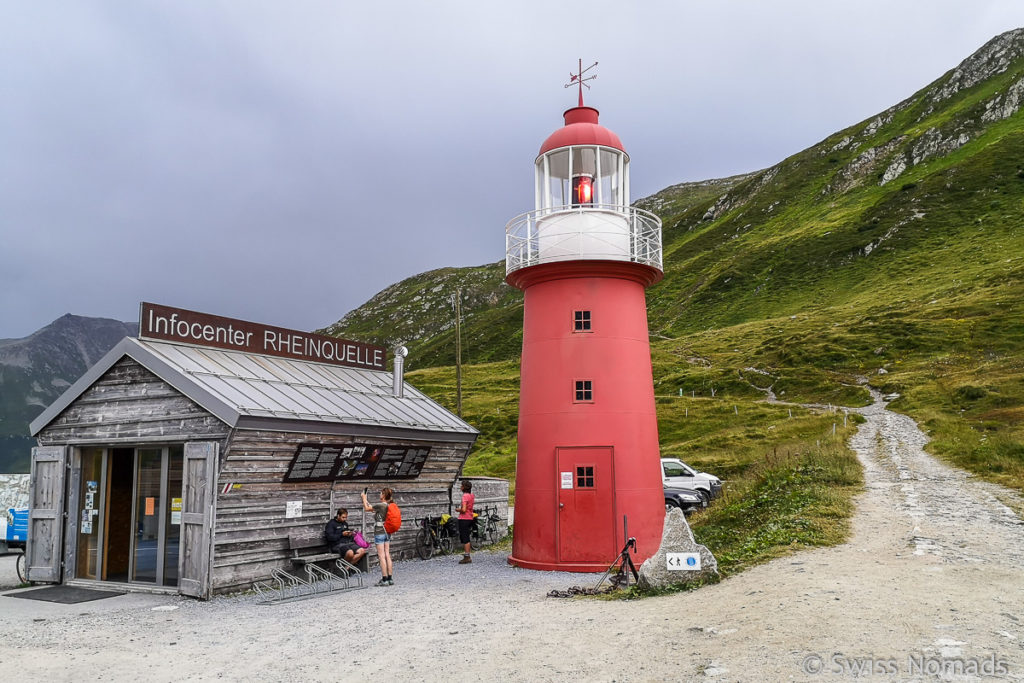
<point>586,505</point>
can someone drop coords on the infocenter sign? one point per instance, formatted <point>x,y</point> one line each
<point>163,323</point>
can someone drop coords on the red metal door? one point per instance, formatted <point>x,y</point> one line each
<point>586,505</point>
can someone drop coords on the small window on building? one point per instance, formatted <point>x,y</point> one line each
<point>584,390</point>
<point>581,321</point>
<point>585,477</point>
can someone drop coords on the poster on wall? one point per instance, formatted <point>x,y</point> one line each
<point>176,511</point>
<point>324,462</point>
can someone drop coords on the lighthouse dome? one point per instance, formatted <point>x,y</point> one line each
<point>582,210</point>
<point>581,128</point>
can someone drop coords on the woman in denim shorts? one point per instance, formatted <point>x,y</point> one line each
<point>381,538</point>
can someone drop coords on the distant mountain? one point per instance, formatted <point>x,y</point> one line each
<point>37,369</point>
<point>893,248</point>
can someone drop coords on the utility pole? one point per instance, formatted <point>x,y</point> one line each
<point>457,297</point>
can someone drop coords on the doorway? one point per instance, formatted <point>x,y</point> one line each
<point>128,505</point>
<point>586,504</point>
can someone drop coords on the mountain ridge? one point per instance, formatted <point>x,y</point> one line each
<point>38,368</point>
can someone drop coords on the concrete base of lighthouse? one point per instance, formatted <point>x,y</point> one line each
<point>560,567</point>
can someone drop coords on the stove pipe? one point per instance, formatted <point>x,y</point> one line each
<point>398,387</point>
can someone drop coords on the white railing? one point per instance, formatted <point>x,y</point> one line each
<point>596,232</point>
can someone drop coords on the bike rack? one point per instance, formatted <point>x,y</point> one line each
<point>349,571</point>
<point>285,587</point>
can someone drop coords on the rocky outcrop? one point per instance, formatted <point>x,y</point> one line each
<point>863,165</point>
<point>1004,105</point>
<point>992,59</point>
<point>932,143</point>
<point>666,567</point>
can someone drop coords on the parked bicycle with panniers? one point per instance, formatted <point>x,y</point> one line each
<point>485,528</point>
<point>436,534</point>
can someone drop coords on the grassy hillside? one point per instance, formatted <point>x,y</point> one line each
<point>893,250</point>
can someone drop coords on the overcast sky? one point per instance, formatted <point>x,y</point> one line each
<point>281,162</point>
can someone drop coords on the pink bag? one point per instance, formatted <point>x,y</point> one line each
<point>357,537</point>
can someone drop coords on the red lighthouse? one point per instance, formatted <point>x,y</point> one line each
<point>588,434</point>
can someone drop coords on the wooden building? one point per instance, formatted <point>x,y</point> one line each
<point>184,458</point>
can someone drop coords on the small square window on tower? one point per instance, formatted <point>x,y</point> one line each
<point>581,321</point>
<point>585,477</point>
<point>584,390</point>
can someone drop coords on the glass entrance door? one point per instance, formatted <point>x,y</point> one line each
<point>129,511</point>
<point>90,522</point>
<point>148,515</point>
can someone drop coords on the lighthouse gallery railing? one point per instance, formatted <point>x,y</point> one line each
<point>597,232</point>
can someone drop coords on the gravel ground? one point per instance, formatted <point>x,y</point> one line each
<point>8,572</point>
<point>933,577</point>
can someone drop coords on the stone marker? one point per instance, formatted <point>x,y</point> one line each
<point>677,546</point>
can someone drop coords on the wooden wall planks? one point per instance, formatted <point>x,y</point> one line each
<point>129,404</point>
<point>251,532</point>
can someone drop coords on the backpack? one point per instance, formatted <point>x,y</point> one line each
<point>393,519</point>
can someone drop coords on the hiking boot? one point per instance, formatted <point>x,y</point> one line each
<point>466,559</point>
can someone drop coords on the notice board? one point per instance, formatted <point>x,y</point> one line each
<point>320,462</point>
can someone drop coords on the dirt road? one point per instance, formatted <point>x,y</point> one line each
<point>931,585</point>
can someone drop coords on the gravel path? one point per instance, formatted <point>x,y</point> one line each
<point>933,578</point>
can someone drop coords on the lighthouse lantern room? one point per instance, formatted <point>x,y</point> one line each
<point>588,455</point>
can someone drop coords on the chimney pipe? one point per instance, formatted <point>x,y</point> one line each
<point>398,387</point>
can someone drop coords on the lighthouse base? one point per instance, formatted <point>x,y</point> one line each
<point>581,567</point>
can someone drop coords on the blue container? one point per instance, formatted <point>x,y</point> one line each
<point>17,533</point>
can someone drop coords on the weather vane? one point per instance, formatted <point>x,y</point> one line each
<point>577,79</point>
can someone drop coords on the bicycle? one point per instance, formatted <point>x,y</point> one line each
<point>485,528</point>
<point>20,567</point>
<point>433,536</point>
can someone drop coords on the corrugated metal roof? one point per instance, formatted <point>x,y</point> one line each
<point>233,385</point>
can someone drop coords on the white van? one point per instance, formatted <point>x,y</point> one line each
<point>677,473</point>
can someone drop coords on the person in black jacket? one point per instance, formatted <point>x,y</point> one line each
<point>339,538</point>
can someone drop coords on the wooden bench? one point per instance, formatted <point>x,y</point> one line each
<point>310,548</point>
